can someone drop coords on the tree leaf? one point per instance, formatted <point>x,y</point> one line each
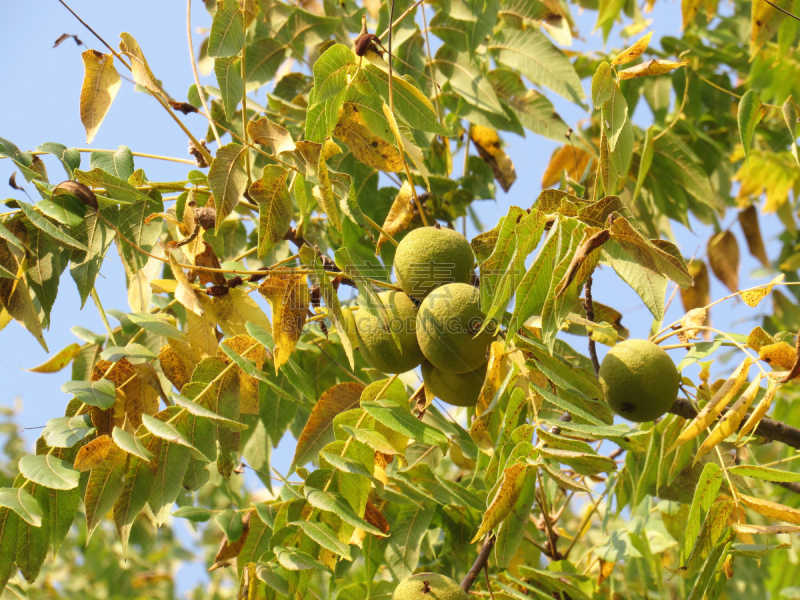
<point>748,220</point>
<point>723,256</point>
<point>227,180</point>
<point>655,66</point>
<point>764,473</point>
<point>49,471</point>
<point>115,187</point>
<point>366,146</point>
<point>70,158</point>
<point>139,67</point>
<point>329,502</point>
<point>511,530</point>
<point>790,116</point>
<point>9,522</point>
<point>137,488</point>
<point>274,207</point>
<point>325,537</point>
<point>289,297</point>
<point>33,540</point>
<point>101,394</point>
<point>705,494</point>
<point>502,504</point>
<point>156,325</point>
<point>195,514</point>
<point>772,510</point>
<point>231,85</point>
<point>227,30</point>
<point>43,224</point>
<point>602,84</point>
<point>760,410</point>
<point>200,411</point>
<point>615,113</point>
<point>106,482</point>
<point>65,432</point>
<point>135,227</point>
<point>265,132</point>
<point>230,521</point>
<point>297,560</point>
<point>101,82</point>
<point>23,504</point>
<point>634,52</point>
<point>93,454</point>
<point>131,444</point>
<point>751,111</point>
<point>463,75</point>
<point>401,420</point>
<point>55,363</point>
<point>170,433</point>
<point>489,148</point>
<point>541,62</point>
<point>118,163</point>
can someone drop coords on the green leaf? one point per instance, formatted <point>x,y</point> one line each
<point>70,158</point>
<point>195,514</point>
<point>272,574</point>
<point>325,537</point>
<point>337,505</point>
<point>203,412</point>
<point>374,439</point>
<point>63,509</point>
<point>463,75</point>
<point>345,464</point>
<point>274,207</point>
<point>170,433</point>
<point>533,110</point>
<point>33,541</point>
<point>231,84</point>
<point>704,496</point>
<point>765,473</point>
<point>64,208</point>
<point>331,72</point>
<point>539,60</point>
<point>227,30</point>
<point>402,551</point>
<point>263,58</point>
<point>512,529</point>
<point>297,560</point>
<point>157,326</point>
<point>615,113</point>
<point>137,488</point>
<point>65,432</point>
<point>603,85</point>
<point>23,503</point>
<point>172,461</point>
<point>101,394</point>
<point>43,224</point>
<point>751,111</point>
<point>131,444</point>
<point>230,521</point>
<point>400,419</point>
<point>650,286</point>
<point>790,116</point>
<point>116,188</point>
<point>84,266</point>
<point>9,522</point>
<point>227,180</point>
<point>118,163</point>
<point>134,229</point>
<point>106,482</point>
<point>49,471</point>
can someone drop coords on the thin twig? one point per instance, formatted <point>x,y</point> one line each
<point>105,43</point>
<point>397,22</point>
<point>488,583</point>
<point>588,306</point>
<point>479,564</point>
<point>786,12</point>
<point>200,92</point>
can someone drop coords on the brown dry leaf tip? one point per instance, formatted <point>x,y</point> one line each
<point>65,36</point>
<point>12,181</point>
<point>197,155</point>
<point>79,190</point>
<point>183,107</point>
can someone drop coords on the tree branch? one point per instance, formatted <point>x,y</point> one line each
<point>589,308</point>
<point>480,563</point>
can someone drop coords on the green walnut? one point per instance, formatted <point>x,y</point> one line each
<point>429,257</point>
<point>429,586</point>
<point>639,380</point>
<point>447,323</point>
<point>458,390</point>
<point>376,343</point>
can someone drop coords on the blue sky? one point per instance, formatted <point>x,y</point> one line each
<point>40,104</point>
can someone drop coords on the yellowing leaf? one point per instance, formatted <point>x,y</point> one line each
<point>505,498</point>
<point>775,173</point>
<point>765,20</point>
<point>761,410</point>
<point>746,528</point>
<point>139,67</point>
<point>634,52</point>
<point>772,510</point>
<point>317,430</point>
<point>227,180</point>
<point>274,207</point>
<point>184,293</point>
<point>651,67</point>
<point>758,338</point>
<point>716,405</point>
<point>491,152</point>
<point>754,296</point>
<point>93,453</point>
<point>289,297</point>
<point>479,431</point>
<point>101,83</point>
<point>409,147</point>
<point>723,256</point>
<point>693,319</point>
<point>265,132</point>
<point>400,214</point>
<point>731,420</point>
<point>569,158</point>
<point>689,10</point>
<point>250,350</point>
<point>748,220</point>
<point>779,356</point>
<point>698,294</point>
<point>365,145</point>
<point>59,361</point>
<point>495,374</point>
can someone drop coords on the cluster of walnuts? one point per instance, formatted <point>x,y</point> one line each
<point>436,321</point>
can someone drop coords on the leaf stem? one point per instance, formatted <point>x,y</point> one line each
<point>379,228</point>
<point>103,316</point>
<point>200,92</point>
<point>85,24</point>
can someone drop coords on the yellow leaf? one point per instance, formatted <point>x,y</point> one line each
<point>651,67</point>
<point>495,374</point>
<point>265,132</point>
<point>778,356</point>
<point>201,329</point>
<point>139,67</point>
<point>479,432</point>
<point>568,158</point>
<point>731,420</point>
<point>93,453</point>
<point>235,310</point>
<point>761,410</point>
<point>698,295</point>
<point>693,319</point>
<point>689,10</point>
<point>716,405</point>
<point>251,350</point>
<point>758,338</point>
<point>723,256</point>
<point>606,568</point>
<point>634,52</point>
<point>765,20</point>
<point>400,214</point>
<point>775,173</point>
<point>177,366</point>
<point>184,292</point>
<point>488,144</point>
<point>289,297</point>
<point>365,145</point>
<point>59,361</point>
<point>754,296</point>
<point>101,83</point>
<point>505,498</point>
<point>772,510</point>
<point>746,528</point>
<point>410,148</point>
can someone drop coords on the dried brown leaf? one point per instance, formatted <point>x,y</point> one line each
<point>748,220</point>
<point>723,256</point>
